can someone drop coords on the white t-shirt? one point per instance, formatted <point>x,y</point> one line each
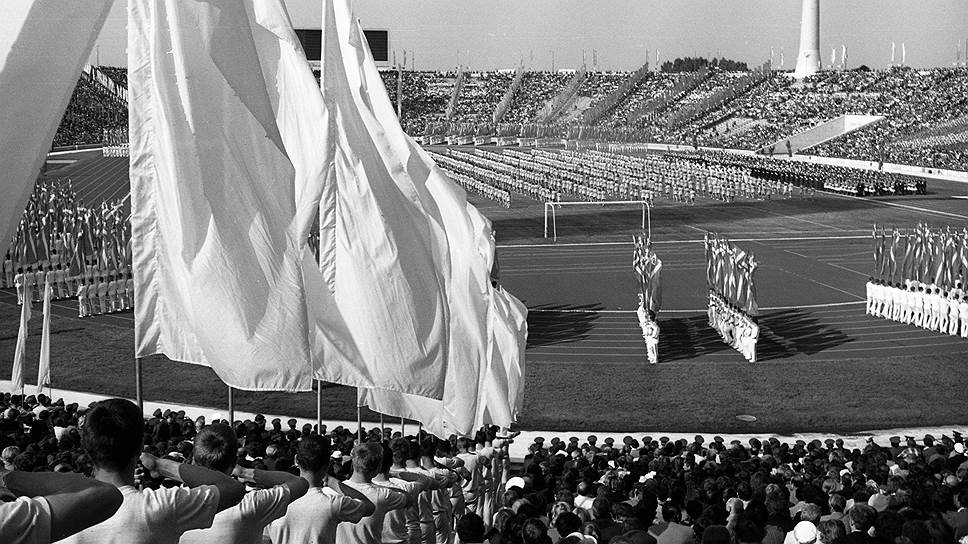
<point>244,522</point>
<point>370,529</point>
<point>474,462</point>
<point>313,517</point>
<point>154,516</point>
<point>25,521</point>
<point>398,524</point>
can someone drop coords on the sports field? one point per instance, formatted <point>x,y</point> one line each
<point>825,366</point>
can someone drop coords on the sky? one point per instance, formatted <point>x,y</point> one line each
<point>495,34</point>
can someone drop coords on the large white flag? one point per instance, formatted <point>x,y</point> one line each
<point>43,46</point>
<point>464,235</point>
<point>43,367</point>
<point>383,239</point>
<point>223,274</point>
<point>20,351</point>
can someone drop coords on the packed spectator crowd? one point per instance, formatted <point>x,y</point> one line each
<point>817,176</point>
<point>924,110</point>
<point>91,110</point>
<point>174,477</point>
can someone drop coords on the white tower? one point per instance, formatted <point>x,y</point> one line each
<point>808,61</point>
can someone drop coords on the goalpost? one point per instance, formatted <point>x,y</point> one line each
<point>646,213</point>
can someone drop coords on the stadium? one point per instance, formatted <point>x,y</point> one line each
<point>623,214</point>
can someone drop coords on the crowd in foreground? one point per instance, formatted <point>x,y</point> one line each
<point>104,473</point>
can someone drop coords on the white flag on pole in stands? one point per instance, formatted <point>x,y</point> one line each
<point>223,273</point>
<point>43,367</point>
<point>378,164</point>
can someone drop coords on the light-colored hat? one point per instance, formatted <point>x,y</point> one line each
<point>805,532</point>
<point>517,481</point>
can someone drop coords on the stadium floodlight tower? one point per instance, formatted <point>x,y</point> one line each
<point>808,61</point>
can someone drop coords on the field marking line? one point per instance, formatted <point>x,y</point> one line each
<point>697,241</point>
<point>702,310</point>
<point>778,214</point>
<point>858,272</point>
<point>826,263</point>
<point>904,206</point>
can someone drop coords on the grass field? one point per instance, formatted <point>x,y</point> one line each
<point>825,366</point>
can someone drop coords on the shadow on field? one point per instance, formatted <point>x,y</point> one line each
<point>550,324</point>
<point>688,337</point>
<point>785,333</point>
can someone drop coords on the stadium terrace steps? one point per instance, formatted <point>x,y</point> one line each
<point>830,130</point>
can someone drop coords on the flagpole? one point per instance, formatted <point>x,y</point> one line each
<point>231,406</point>
<point>359,422</point>
<point>382,426</point>
<point>319,407</point>
<point>403,427</point>
<point>138,392</point>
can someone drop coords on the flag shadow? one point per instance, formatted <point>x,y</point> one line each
<point>556,324</point>
<point>785,333</point>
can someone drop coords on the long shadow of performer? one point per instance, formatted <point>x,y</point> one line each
<point>687,337</point>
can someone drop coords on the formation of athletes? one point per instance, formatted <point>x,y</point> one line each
<point>81,251</point>
<point>923,305</point>
<point>601,176</point>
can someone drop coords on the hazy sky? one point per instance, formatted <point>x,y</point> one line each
<point>499,33</point>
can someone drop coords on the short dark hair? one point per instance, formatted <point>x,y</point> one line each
<point>567,523</point>
<point>470,528</point>
<point>533,531</point>
<point>216,447</point>
<point>112,433</point>
<point>862,517</point>
<point>428,447</point>
<point>368,458</point>
<point>401,450</point>
<point>313,453</point>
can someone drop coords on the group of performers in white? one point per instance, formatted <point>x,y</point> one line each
<point>81,252</point>
<point>923,305</point>
<point>599,176</point>
<point>732,294</point>
<point>97,291</point>
<point>648,271</point>
<point>735,327</point>
<point>650,331</point>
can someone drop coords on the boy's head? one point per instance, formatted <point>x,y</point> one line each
<point>112,434</point>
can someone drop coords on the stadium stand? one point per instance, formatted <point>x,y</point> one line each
<point>924,111</point>
<point>567,489</point>
<point>91,110</point>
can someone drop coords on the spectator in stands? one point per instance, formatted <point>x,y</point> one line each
<point>216,448</point>
<point>314,517</point>
<point>112,435</point>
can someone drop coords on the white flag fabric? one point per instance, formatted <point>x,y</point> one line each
<point>502,389</point>
<point>43,367</point>
<point>223,274</point>
<point>382,237</point>
<point>457,236</point>
<point>43,47</point>
<point>20,351</point>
